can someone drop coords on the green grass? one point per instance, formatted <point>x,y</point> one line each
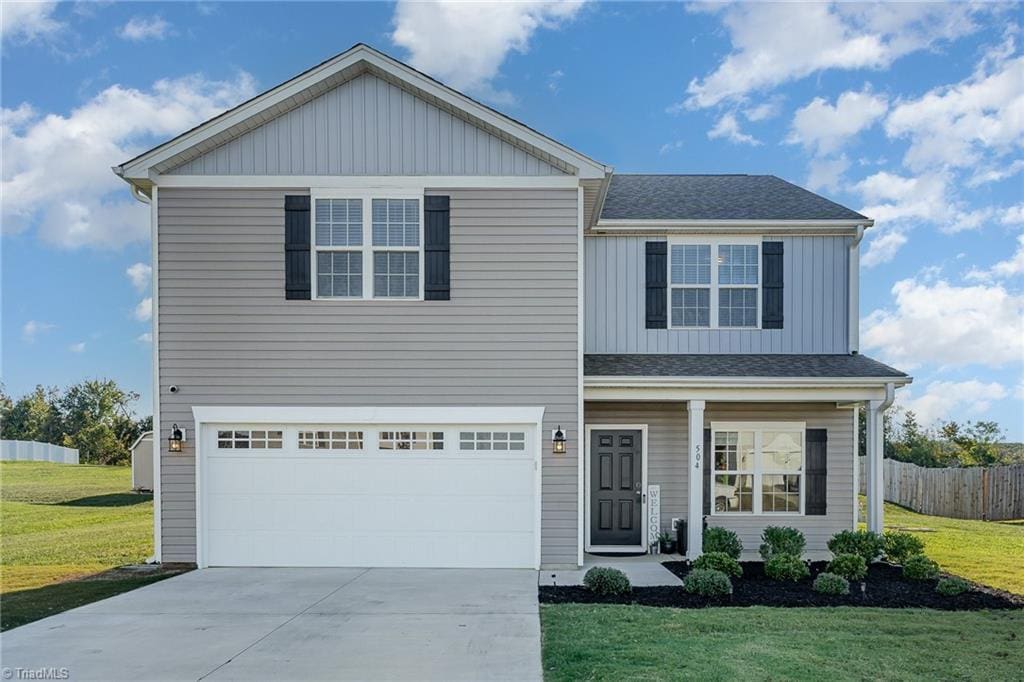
<point>59,522</point>
<point>987,552</point>
<point>587,642</point>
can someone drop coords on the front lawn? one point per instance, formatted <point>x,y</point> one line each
<point>598,642</point>
<point>987,552</point>
<point>61,521</point>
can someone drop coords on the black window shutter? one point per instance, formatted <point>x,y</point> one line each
<point>817,472</point>
<point>771,285</point>
<point>296,248</point>
<point>437,249</point>
<point>708,455</point>
<point>657,285</point>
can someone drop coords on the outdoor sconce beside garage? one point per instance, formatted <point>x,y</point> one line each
<point>175,440</point>
<point>558,441</point>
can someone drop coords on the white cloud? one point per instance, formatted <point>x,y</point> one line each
<point>946,400</point>
<point>943,324</point>
<point>1014,265</point>
<point>774,43</point>
<point>957,125</point>
<point>986,175</point>
<point>144,310</point>
<point>139,274</point>
<point>669,147</point>
<point>1014,215</point>
<point>56,168</point>
<point>824,128</point>
<point>145,338</point>
<point>34,328</point>
<point>729,128</point>
<point>764,111</point>
<point>26,21</point>
<point>139,29</point>
<point>77,347</point>
<point>883,246</point>
<point>465,43</point>
<point>555,80</point>
<point>826,173</point>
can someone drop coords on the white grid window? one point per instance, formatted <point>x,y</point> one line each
<point>410,440</point>
<point>758,468</point>
<point>492,440</point>
<point>714,292</point>
<point>330,440</point>
<point>367,246</point>
<point>249,440</point>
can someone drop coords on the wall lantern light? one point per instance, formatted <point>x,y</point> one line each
<point>558,441</point>
<point>176,438</point>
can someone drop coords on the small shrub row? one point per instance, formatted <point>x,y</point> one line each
<point>849,566</point>
<point>606,581</point>
<point>707,582</point>
<point>900,546</point>
<point>786,567</point>
<point>920,567</point>
<point>781,540</point>
<point>861,542</point>
<point>722,540</point>
<point>719,561</point>
<point>831,583</point>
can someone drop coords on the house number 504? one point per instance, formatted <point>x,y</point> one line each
<point>696,458</point>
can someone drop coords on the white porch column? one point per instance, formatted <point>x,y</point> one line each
<point>695,516</point>
<point>873,482</point>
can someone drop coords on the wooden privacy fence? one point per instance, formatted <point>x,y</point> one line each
<point>986,493</point>
<point>30,451</point>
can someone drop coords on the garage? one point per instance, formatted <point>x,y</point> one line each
<point>368,487</point>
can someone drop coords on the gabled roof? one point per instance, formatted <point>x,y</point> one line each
<point>717,198</point>
<point>357,60</point>
<point>752,365</point>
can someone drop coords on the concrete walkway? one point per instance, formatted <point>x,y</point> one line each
<point>643,571</point>
<point>297,623</point>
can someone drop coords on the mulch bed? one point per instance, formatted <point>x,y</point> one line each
<point>884,587</point>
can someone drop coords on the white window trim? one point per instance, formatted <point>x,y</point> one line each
<point>758,471</point>
<point>366,196</point>
<point>713,287</point>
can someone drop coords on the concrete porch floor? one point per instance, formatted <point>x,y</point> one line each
<point>643,570</point>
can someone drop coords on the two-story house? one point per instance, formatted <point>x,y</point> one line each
<point>395,327</point>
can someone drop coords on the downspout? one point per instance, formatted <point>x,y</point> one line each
<point>853,323</point>
<point>139,195</point>
<point>890,396</point>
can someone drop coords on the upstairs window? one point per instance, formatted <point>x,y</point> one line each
<point>367,246</point>
<point>714,283</point>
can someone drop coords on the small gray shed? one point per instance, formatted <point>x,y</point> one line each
<point>142,462</point>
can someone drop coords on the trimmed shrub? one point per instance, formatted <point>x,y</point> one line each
<point>920,567</point>
<point>830,583</point>
<point>863,542</point>
<point>782,540</point>
<point>719,561</point>
<point>722,540</point>
<point>951,587</point>
<point>707,582</point>
<point>606,581</point>
<point>786,567</point>
<point>900,546</point>
<point>849,566</point>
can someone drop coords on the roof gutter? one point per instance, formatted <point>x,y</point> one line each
<point>743,381</point>
<point>632,226</point>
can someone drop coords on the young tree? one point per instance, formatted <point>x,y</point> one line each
<point>98,421</point>
<point>33,417</point>
<point>975,443</point>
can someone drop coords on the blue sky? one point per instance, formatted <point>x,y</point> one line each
<point>913,114</point>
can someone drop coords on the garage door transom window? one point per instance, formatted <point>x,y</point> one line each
<point>249,440</point>
<point>330,440</point>
<point>492,440</point>
<point>411,440</point>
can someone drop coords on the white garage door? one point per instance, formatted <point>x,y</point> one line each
<point>369,495</point>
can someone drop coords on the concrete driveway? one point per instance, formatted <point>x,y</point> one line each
<point>296,624</point>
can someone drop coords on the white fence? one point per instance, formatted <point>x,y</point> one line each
<point>30,451</point>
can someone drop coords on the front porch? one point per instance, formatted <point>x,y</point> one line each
<point>784,454</point>
<point>643,570</point>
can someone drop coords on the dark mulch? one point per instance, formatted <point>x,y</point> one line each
<point>884,587</point>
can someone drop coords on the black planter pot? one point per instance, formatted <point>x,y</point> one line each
<point>668,547</point>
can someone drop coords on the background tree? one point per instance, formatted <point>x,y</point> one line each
<point>975,443</point>
<point>34,417</point>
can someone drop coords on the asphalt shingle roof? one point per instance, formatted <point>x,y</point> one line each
<point>716,197</point>
<point>766,365</point>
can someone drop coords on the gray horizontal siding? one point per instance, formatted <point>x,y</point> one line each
<point>667,447</point>
<point>814,303</point>
<point>228,337</point>
<point>366,126</point>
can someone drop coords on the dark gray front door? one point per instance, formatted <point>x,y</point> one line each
<point>615,488</point>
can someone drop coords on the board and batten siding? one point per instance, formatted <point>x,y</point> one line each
<point>667,453</point>
<point>815,302</point>
<point>367,126</point>
<point>508,335</point>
